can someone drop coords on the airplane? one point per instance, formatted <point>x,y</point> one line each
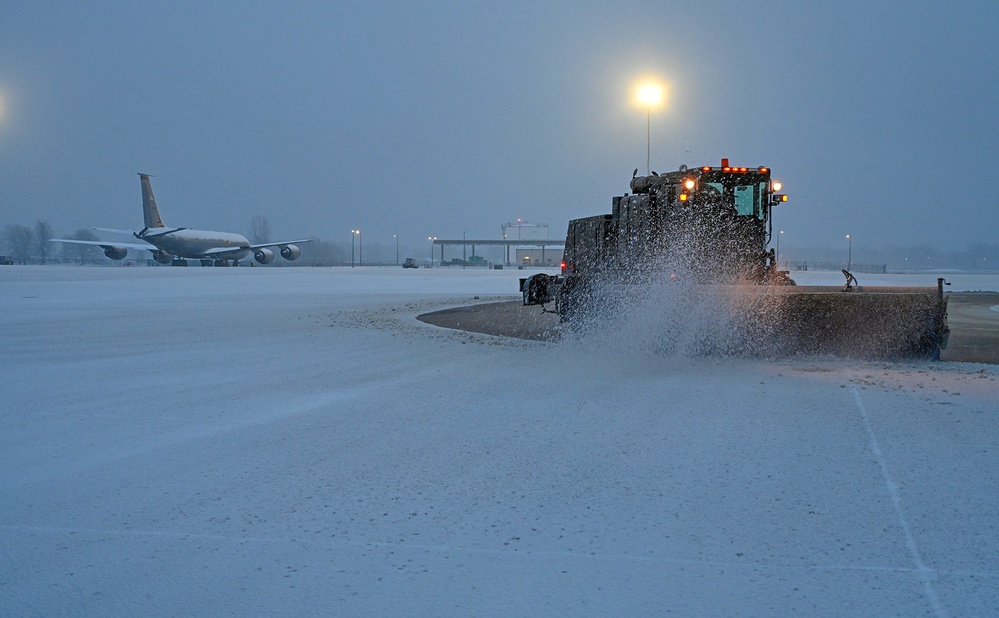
<point>174,245</point>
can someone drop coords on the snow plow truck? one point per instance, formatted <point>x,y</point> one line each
<point>704,233</point>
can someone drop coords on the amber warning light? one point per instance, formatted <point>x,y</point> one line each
<point>725,167</point>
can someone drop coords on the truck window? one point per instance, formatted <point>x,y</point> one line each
<point>714,190</point>
<point>744,202</point>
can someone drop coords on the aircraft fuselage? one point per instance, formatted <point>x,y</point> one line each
<point>194,243</point>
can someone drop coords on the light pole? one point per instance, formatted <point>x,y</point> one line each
<point>396,237</point>
<point>650,95</point>
<point>849,255</point>
<point>355,234</point>
<point>779,234</point>
<point>431,239</point>
<point>360,249</point>
<point>464,254</point>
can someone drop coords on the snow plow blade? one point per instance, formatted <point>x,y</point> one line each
<point>860,322</point>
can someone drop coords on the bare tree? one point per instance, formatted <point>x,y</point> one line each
<point>81,252</point>
<point>322,253</point>
<point>20,239</point>
<point>43,233</point>
<point>260,229</point>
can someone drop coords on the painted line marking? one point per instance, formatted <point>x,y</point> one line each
<point>922,571</point>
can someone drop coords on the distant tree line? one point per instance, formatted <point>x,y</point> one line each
<point>26,245</point>
<point>973,257</point>
<point>31,245</point>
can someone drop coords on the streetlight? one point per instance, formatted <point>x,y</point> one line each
<point>431,239</point>
<point>849,255</point>
<point>464,254</point>
<point>396,237</point>
<point>353,234</point>
<point>649,94</point>
<point>779,234</point>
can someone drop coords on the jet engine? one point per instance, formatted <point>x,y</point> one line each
<point>264,256</point>
<point>162,257</point>
<point>290,252</point>
<point>115,253</point>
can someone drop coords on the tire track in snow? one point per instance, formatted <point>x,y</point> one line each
<point>459,549</point>
<point>191,430</point>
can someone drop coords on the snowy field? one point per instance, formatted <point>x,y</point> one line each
<point>291,441</point>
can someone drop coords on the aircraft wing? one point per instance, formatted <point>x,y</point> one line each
<point>105,244</point>
<point>221,253</point>
<point>277,244</point>
<point>113,230</point>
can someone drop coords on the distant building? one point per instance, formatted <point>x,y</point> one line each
<point>531,256</point>
<point>525,230</point>
<point>534,256</point>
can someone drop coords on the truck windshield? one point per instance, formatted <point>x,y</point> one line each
<point>744,197</point>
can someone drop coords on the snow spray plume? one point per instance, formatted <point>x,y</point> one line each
<point>670,305</point>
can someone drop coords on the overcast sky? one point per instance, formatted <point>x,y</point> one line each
<point>443,118</point>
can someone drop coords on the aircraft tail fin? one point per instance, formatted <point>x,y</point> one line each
<point>149,210</point>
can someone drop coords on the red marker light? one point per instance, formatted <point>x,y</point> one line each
<point>764,170</point>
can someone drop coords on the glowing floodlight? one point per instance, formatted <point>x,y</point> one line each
<point>649,94</point>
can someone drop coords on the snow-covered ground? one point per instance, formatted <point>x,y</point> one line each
<point>291,441</point>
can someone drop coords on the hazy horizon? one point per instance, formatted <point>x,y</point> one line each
<point>450,119</point>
